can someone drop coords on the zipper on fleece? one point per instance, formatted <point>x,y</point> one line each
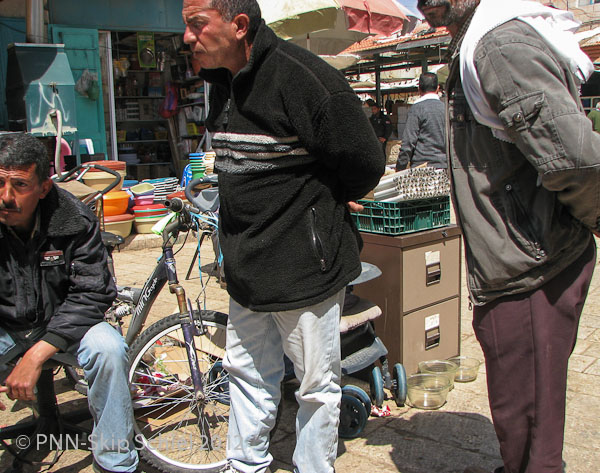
<point>316,240</point>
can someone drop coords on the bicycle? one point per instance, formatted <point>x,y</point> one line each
<point>179,387</point>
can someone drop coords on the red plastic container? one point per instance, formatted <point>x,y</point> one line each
<point>153,210</point>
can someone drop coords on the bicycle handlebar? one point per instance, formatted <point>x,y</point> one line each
<point>208,199</point>
<point>176,205</point>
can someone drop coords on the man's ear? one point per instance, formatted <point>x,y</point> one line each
<point>46,186</point>
<point>242,24</point>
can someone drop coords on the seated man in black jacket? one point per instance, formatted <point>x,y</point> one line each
<point>54,289</point>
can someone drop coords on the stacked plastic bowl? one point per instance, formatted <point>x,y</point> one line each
<point>162,187</point>
<point>147,215</point>
<point>197,165</point>
<point>143,193</point>
<point>116,218</point>
<point>114,203</point>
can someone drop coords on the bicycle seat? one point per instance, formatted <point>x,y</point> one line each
<point>368,271</point>
<point>111,240</point>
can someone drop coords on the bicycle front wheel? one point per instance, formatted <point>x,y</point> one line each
<point>178,432</point>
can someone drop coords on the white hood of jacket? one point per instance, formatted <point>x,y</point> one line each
<point>556,27</point>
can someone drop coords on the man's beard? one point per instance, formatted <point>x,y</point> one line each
<point>454,14</point>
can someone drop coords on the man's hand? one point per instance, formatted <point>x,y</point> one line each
<point>21,381</point>
<point>355,207</point>
<point>381,139</point>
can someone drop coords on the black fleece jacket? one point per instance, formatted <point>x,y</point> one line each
<point>60,278</point>
<point>293,146</point>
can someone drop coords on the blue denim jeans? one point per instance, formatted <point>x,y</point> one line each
<point>256,343</point>
<point>102,353</point>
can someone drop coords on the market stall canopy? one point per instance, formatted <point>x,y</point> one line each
<point>341,61</point>
<point>330,26</point>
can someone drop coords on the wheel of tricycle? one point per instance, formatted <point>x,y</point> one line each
<point>353,417</point>
<point>399,384</point>
<point>360,394</point>
<point>376,385</point>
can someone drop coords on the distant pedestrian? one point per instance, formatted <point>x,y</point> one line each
<point>424,138</point>
<point>594,115</point>
<point>381,123</point>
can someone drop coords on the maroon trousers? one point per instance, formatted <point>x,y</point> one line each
<point>527,340</point>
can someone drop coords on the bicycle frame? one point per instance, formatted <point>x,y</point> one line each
<point>150,291</point>
<point>164,272</point>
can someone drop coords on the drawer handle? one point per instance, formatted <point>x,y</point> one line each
<point>433,274</point>
<point>432,338</point>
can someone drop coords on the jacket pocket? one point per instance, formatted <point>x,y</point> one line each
<point>316,241</point>
<point>521,224</point>
<point>89,277</point>
<point>531,119</point>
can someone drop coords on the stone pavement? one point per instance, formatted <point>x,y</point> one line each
<point>447,440</point>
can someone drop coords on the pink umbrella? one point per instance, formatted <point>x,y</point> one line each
<point>382,17</point>
<point>331,25</point>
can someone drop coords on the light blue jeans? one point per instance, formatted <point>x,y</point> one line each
<point>102,353</point>
<point>256,343</point>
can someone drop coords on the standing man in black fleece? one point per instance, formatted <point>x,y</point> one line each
<point>294,149</point>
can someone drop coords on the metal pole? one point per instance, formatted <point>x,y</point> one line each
<point>377,81</point>
<point>35,21</point>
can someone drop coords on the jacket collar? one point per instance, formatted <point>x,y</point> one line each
<point>59,213</point>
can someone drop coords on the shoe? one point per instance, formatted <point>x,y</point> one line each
<point>230,469</point>
<point>98,469</point>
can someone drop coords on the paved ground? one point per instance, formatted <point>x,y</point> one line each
<point>410,440</point>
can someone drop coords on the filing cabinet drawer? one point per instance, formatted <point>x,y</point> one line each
<point>431,273</point>
<point>430,334</point>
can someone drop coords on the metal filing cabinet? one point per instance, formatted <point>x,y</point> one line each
<point>418,292</point>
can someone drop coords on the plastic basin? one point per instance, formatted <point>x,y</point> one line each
<point>100,180</point>
<point>467,368</point>
<point>155,210</point>
<point>110,164</point>
<point>115,203</point>
<point>142,200</point>
<point>119,224</point>
<point>143,188</point>
<point>427,391</point>
<point>441,367</point>
<point>144,225</point>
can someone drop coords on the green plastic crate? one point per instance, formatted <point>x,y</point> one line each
<point>396,218</point>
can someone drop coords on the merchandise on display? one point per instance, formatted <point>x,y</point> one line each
<point>413,184</point>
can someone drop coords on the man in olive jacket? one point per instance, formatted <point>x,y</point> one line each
<point>525,169</point>
<point>54,289</point>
